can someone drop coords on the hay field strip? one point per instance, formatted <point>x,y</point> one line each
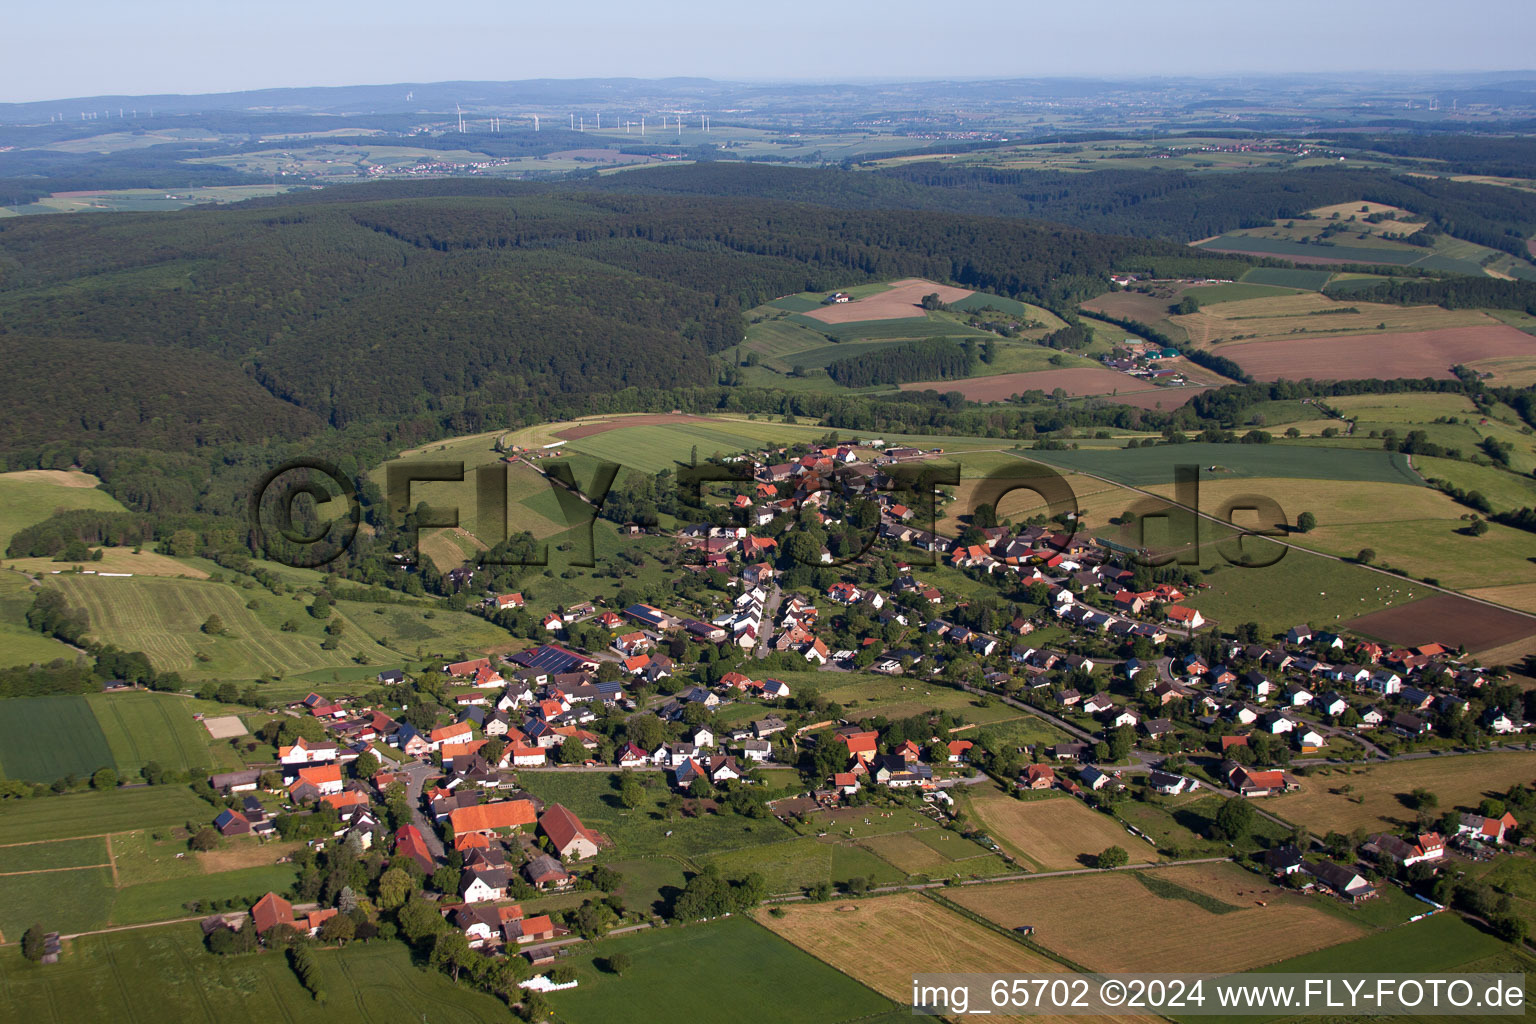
<point>1127,928</point>
<point>885,940</point>
<point>1323,804</point>
<point>1055,833</point>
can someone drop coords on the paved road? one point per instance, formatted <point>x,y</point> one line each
<point>770,612</point>
<point>416,775</point>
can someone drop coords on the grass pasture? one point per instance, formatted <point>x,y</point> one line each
<point>114,560</point>
<point>68,901</point>
<point>99,813</point>
<point>164,619</point>
<point>31,495</point>
<point>19,643</point>
<point>1118,935</point>
<point>1372,798</point>
<point>913,935</point>
<point>165,973</point>
<point>142,727</point>
<point>750,968</point>
<point>1148,467</point>
<point>1057,833</point>
<point>45,738</point>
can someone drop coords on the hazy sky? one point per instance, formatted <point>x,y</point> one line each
<point>94,47</point>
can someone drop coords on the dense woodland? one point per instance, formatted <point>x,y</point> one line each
<point>1172,205</point>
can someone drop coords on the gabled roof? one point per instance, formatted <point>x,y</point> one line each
<point>562,827</point>
<point>486,817</point>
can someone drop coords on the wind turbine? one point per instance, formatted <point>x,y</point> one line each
<point>535,122</point>
<point>459,112</point>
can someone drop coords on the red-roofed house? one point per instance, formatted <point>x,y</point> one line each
<point>1183,616</point>
<point>325,778</point>
<point>410,844</point>
<point>459,732</point>
<point>270,911</point>
<point>959,750</point>
<point>571,839</point>
<point>1037,776</point>
<point>506,814</point>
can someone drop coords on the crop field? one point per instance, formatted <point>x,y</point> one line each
<point>98,813</point>
<point>1311,314</point>
<point>750,968</point>
<point>32,495</point>
<point>1057,833</point>
<point>1074,382</point>
<point>1426,353</point>
<point>1146,467</point>
<point>1310,280</point>
<point>1121,932</point>
<point>123,560</point>
<point>1519,596</point>
<point>141,727</point>
<point>19,643</point>
<point>44,738</point>
<point>1443,618</point>
<point>1373,798</point>
<point>165,973</point>
<point>652,446</point>
<point>900,299</point>
<point>913,935</point>
<point>1337,505</point>
<point>164,619</point>
<point>1305,252</point>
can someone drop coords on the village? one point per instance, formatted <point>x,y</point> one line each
<point>1152,699</point>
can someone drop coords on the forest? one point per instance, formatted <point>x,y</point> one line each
<point>1173,205</point>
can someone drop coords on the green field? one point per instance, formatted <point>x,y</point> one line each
<point>1244,289</point>
<point>163,901</point>
<point>1286,249</point>
<point>1442,943</point>
<point>44,738</point>
<point>97,813</point>
<point>164,619</point>
<point>653,447</point>
<point>1306,280</point>
<point>62,901</point>
<point>1301,587</point>
<point>19,644</point>
<point>1143,467</point>
<point>143,727</point>
<point>71,853</point>
<point>29,497</point>
<point>734,970</point>
<point>642,832</point>
<point>166,974</point>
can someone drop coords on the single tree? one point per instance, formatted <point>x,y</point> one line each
<point>33,942</point>
<point>618,963</point>
<point>1306,522</point>
<point>1112,857</point>
<point>204,839</point>
<point>105,778</point>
